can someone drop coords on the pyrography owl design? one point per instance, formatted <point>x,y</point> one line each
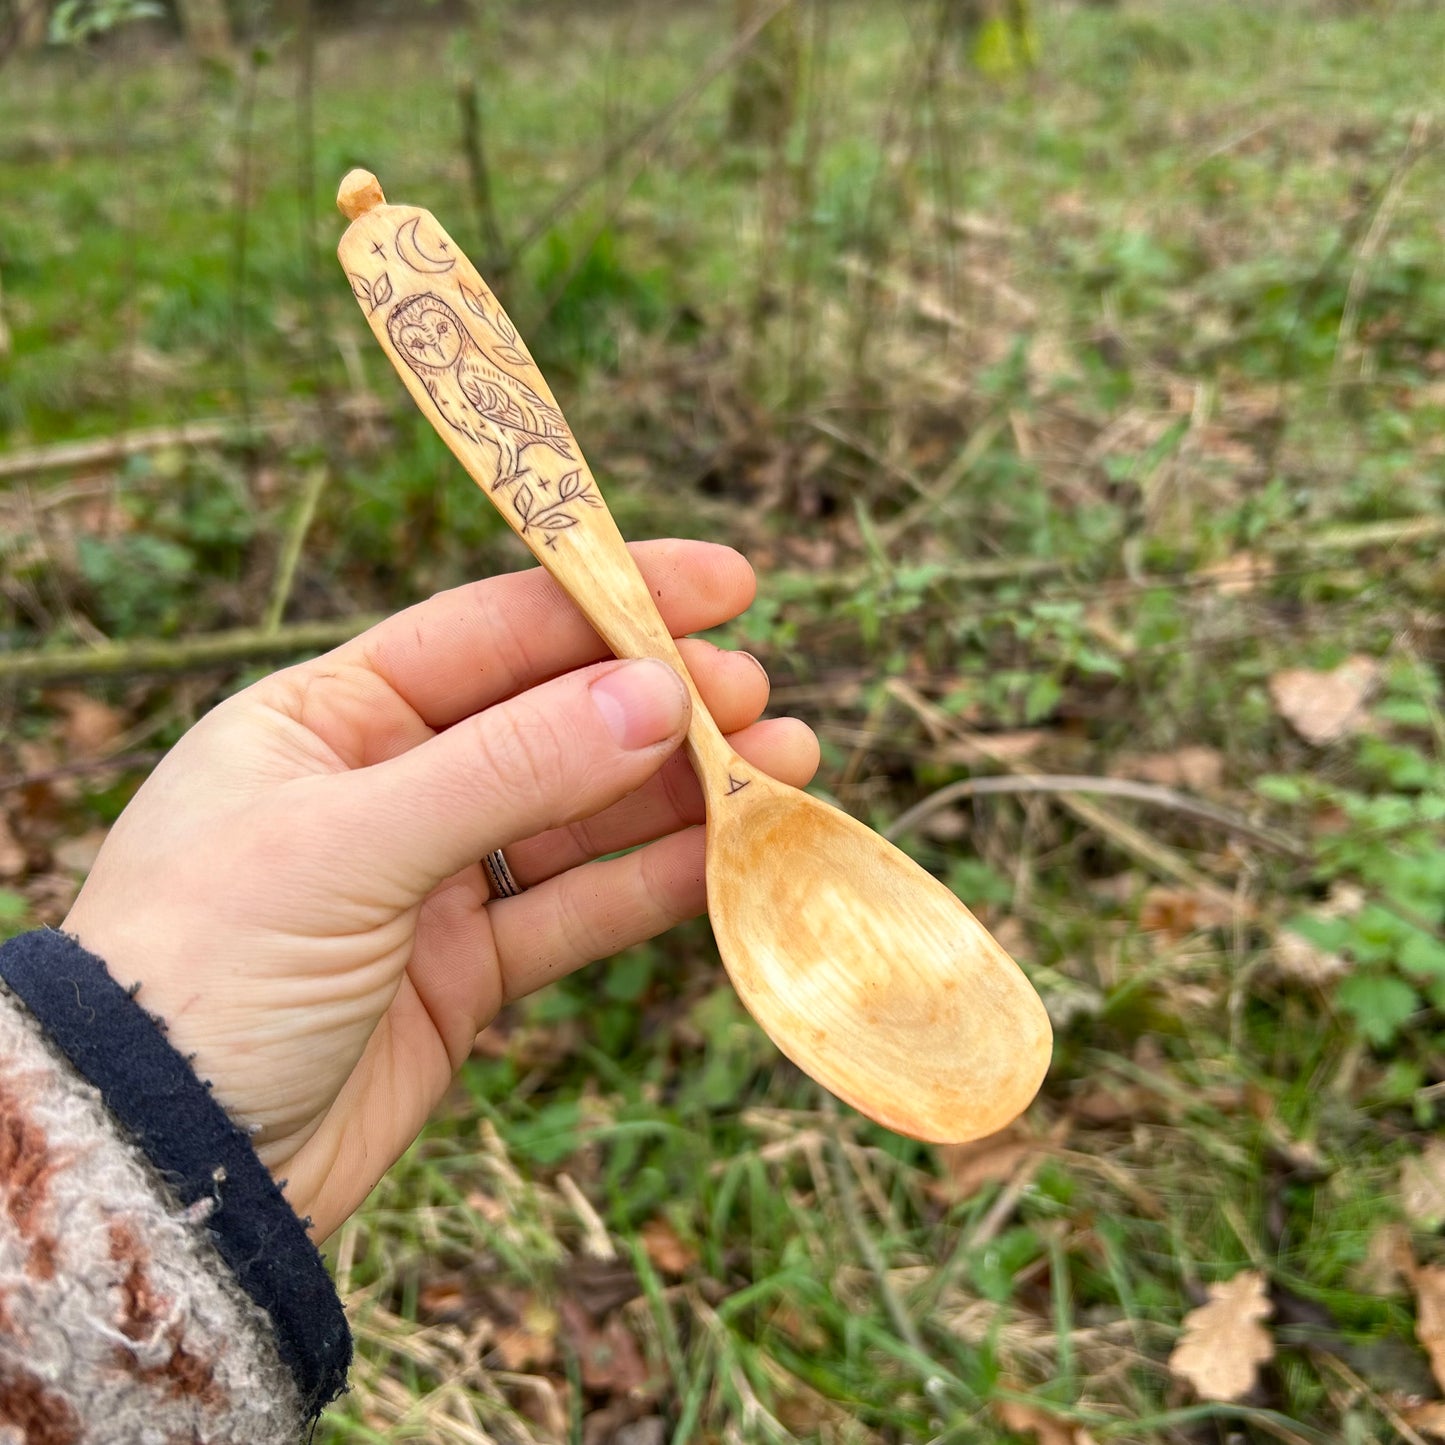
<point>473,393</point>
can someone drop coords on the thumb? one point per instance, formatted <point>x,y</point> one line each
<point>547,757</point>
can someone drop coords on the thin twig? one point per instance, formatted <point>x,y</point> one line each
<point>1374,240</point>
<point>1398,1423</point>
<point>645,136</point>
<point>1134,841</point>
<point>291,548</point>
<point>122,762</point>
<point>494,249</point>
<point>1153,793</point>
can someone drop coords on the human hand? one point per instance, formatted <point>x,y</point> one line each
<point>297,889</point>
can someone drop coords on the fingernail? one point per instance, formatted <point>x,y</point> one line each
<point>641,703</point>
<point>757,665</point>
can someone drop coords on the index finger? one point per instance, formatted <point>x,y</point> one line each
<point>473,646</point>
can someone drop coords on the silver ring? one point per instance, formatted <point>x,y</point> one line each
<point>504,885</point>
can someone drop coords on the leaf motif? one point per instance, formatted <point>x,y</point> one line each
<point>360,288</point>
<point>556,521</point>
<point>381,293</point>
<point>510,353</point>
<point>592,499</point>
<point>522,500</point>
<point>569,486</point>
<point>474,303</point>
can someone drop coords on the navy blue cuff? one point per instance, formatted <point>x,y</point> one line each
<point>155,1096</point>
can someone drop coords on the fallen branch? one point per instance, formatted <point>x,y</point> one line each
<point>184,654</point>
<point>1347,537</point>
<point>210,432</point>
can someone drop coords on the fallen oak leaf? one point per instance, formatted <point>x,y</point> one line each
<point>609,1359</point>
<point>1223,1343</point>
<point>1295,957</point>
<point>1194,766</point>
<point>965,1168</point>
<point>1323,707</point>
<point>14,856</point>
<point>1427,1417</point>
<point>1178,912</point>
<point>668,1253</point>
<point>1422,1186</point>
<point>530,1344</point>
<point>89,726</point>
<point>1429,1285</point>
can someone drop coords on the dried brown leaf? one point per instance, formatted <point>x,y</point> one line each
<point>78,855</point>
<point>666,1249</point>
<point>1112,1103</point>
<point>964,1169</point>
<point>538,1399</point>
<point>1198,768</point>
<point>88,726</point>
<point>1024,1418</point>
<point>1223,1343</point>
<point>1178,912</point>
<point>1381,1271</point>
<point>444,1300</point>
<point>610,1360</point>
<point>1429,1285</point>
<point>1013,747</point>
<point>13,853</point>
<point>1297,958</point>
<point>1323,707</point>
<point>1240,573</point>
<point>1422,1186</point>
<point>531,1344</point>
<point>1428,1418</point>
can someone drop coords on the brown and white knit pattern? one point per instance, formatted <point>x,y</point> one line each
<point>119,1322</point>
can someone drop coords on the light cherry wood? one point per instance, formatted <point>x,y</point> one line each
<point>862,967</point>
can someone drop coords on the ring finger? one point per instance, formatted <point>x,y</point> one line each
<point>670,800</point>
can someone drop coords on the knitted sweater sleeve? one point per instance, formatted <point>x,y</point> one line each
<point>123,1315</point>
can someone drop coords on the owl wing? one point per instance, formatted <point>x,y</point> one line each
<point>550,421</point>
<point>493,401</point>
<point>533,414</point>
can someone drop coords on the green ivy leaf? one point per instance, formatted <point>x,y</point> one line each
<point>14,912</point>
<point>1042,698</point>
<point>1279,789</point>
<point>1379,1006</point>
<point>1422,955</point>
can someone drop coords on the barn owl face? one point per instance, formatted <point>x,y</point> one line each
<point>428,335</point>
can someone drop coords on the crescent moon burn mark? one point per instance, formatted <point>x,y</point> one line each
<point>410,251</point>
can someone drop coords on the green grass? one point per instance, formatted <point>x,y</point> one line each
<point>1171,305</point>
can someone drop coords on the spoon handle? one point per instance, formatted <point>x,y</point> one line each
<point>474,379</point>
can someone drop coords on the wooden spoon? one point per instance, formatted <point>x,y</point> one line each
<point>862,967</point>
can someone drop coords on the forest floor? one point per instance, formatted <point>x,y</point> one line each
<point>1087,430</point>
